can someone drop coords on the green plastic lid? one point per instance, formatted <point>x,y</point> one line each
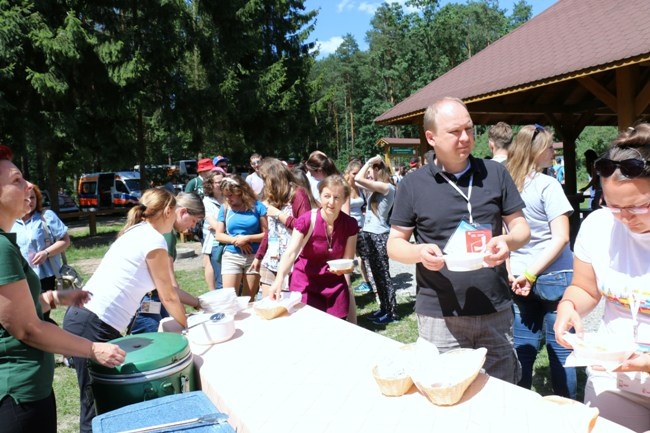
<point>146,352</point>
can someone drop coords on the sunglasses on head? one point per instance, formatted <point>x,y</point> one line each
<point>628,167</point>
<point>538,129</point>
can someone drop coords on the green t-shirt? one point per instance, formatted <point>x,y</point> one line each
<point>26,373</point>
<point>171,240</point>
<point>195,185</point>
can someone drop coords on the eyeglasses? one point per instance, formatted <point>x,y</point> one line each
<point>538,129</point>
<point>629,167</point>
<point>256,162</point>
<point>634,210</point>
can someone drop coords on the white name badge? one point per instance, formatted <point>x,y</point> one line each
<point>150,307</point>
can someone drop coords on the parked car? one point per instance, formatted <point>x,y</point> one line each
<point>66,203</point>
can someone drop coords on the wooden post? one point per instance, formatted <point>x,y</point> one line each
<point>625,91</point>
<point>92,223</point>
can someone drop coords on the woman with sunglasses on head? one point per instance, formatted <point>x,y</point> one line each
<point>318,167</point>
<point>136,263</point>
<point>611,262</point>
<point>189,211</point>
<point>375,178</point>
<point>27,342</point>
<point>542,268</point>
<point>241,225</point>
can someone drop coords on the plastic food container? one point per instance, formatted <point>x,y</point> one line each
<point>464,262</point>
<point>208,331</point>
<point>157,364</point>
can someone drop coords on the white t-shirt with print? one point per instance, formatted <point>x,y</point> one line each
<point>621,261</point>
<point>123,278</point>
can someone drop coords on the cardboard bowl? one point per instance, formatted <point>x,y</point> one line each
<point>603,347</point>
<point>341,264</point>
<point>464,262</point>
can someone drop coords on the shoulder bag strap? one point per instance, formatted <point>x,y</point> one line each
<point>50,259</point>
<point>312,223</point>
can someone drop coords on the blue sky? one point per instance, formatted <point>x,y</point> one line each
<point>339,17</point>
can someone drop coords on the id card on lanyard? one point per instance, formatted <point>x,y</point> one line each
<point>469,236</point>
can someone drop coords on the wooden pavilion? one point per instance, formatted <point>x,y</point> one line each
<point>579,63</point>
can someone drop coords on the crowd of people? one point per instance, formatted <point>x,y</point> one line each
<point>276,229</point>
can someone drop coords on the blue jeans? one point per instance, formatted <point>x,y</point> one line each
<point>534,319</point>
<point>216,266</point>
<point>147,322</point>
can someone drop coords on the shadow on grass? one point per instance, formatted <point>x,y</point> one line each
<point>87,241</point>
<point>367,301</point>
<point>403,281</point>
<point>542,380</point>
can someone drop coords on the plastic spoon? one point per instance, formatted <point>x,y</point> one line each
<point>214,318</point>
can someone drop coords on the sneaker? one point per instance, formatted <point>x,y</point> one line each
<point>376,315</point>
<point>385,319</point>
<point>363,288</point>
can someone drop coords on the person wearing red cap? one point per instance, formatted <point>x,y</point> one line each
<point>414,164</point>
<point>204,167</point>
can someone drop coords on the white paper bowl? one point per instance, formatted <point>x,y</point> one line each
<point>209,332</point>
<point>243,302</point>
<point>464,262</point>
<point>603,347</point>
<point>341,264</point>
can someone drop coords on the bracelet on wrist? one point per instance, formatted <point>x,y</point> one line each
<point>567,300</point>
<point>530,277</point>
<point>47,253</point>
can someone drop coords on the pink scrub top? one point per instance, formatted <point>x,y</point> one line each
<point>320,288</point>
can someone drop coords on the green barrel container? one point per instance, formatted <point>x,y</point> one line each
<point>157,364</point>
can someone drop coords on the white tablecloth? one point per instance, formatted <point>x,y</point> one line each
<point>311,373</point>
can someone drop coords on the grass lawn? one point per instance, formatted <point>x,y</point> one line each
<point>405,330</point>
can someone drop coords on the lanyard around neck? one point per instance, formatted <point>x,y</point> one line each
<point>466,197</point>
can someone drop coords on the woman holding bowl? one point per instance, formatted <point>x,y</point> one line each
<point>27,342</point>
<point>333,236</point>
<point>611,262</point>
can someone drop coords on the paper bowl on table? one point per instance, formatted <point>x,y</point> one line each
<point>243,302</point>
<point>207,331</point>
<point>463,262</point>
<point>391,373</point>
<point>598,347</point>
<point>447,377</point>
<point>341,264</point>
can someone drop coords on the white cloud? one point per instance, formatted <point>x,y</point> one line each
<point>344,5</point>
<point>369,8</point>
<point>329,47</point>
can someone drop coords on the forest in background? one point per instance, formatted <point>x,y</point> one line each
<point>88,86</point>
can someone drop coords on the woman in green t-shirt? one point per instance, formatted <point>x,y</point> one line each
<point>27,343</point>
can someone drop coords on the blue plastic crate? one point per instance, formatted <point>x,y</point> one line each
<point>163,410</point>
